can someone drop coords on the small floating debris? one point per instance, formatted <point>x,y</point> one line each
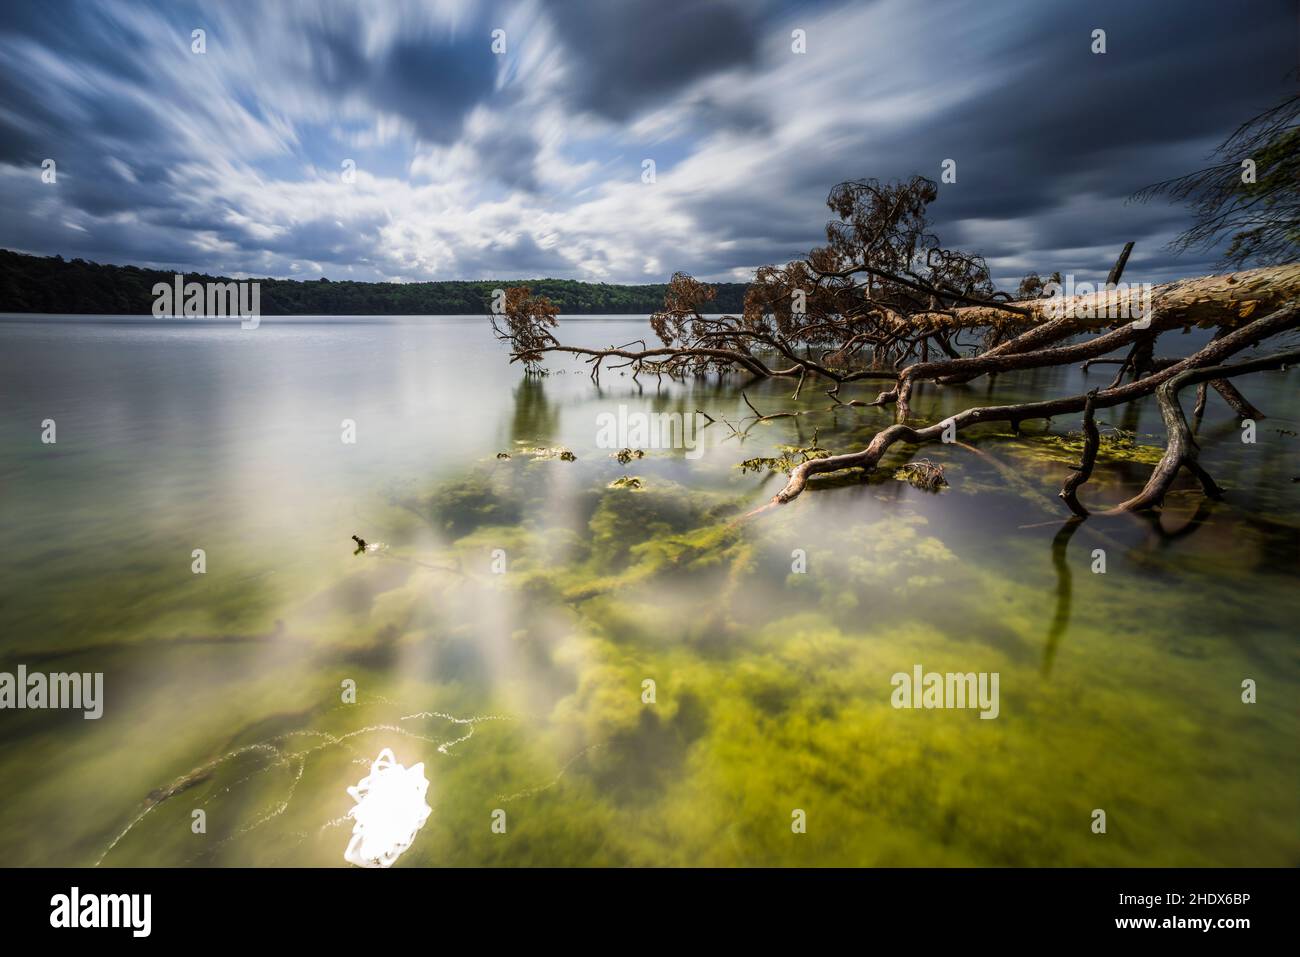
<point>628,482</point>
<point>558,452</point>
<point>923,474</point>
<point>627,455</point>
<point>389,812</point>
<point>503,455</point>
<point>368,548</point>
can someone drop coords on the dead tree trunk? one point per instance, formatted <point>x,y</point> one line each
<point>1287,317</point>
<point>1117,270</point>
<point>1083,472</point>
<point>1182,449</point>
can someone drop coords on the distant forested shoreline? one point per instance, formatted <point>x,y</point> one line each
<point>53,284</point>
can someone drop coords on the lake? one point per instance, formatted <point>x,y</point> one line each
<point>506,627</point>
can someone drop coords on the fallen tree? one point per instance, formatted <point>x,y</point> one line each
<point>1182,450</point>
<point>884,301</point>
<point>1288,317</point>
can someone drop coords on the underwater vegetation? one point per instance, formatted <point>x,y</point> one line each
<point>768,691</point>
<point>635,673</point>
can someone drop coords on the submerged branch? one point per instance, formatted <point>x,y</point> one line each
<point>1182,450</point>
<point>1081,474</point>
<point>1287,317</point>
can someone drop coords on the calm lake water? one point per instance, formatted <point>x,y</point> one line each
<point>523,690</point>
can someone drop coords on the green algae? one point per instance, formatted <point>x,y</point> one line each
<point>1115,445</point>
<point>770,642</point>
<point>791,456</point>
<point>786,710</point>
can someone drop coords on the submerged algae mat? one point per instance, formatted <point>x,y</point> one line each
<point>523,689</point>
<point>506,632</point>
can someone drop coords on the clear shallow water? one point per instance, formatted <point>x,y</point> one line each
<point>1118,691</point>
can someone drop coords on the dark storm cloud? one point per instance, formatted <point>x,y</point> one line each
<point>1102,122</point>
<point>35,115</point>
<point>631,55</point>
<point>1097,127</point>
<point>1067,125</point>
<point>710,114</point>
<point>509,156</point>
<point>518,257</point>
<point>434,84</point>
<point>433,80</point>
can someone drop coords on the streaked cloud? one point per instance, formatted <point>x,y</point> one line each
<point>471,164</point>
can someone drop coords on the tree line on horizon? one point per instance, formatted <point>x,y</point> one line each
<point>52,284</point>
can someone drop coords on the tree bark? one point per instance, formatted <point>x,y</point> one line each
<point>1224,300</point>
<point>1117,270</point>
<point>1182,450</point>
<point>1287,317</point>
<point>1081,474</point>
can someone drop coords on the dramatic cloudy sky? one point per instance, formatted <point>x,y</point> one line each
<point>471,164</point>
